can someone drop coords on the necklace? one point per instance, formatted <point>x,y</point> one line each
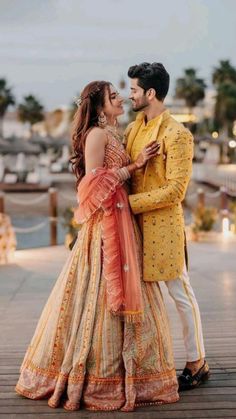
<point>111,129</point>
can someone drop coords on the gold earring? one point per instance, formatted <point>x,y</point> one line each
<point>102,120</point>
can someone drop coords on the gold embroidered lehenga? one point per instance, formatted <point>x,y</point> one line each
<point>81,353</point>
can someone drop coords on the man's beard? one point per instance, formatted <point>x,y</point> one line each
<point>140,107</point>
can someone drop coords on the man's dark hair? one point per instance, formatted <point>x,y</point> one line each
<point>151,76</point>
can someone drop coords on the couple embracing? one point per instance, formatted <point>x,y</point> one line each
<point>103,340</point>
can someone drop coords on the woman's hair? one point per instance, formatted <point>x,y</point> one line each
<point>90,103</point>
<point>151,75</point>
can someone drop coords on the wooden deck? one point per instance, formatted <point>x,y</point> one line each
<point>24,287</point>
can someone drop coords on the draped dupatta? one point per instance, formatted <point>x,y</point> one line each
<point>102,190</point>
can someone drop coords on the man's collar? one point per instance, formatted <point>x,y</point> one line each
<point>163,115</point>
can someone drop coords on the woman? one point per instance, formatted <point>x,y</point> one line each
<point>103,338</point>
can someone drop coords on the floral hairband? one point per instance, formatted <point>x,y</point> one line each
<point>80,99</point>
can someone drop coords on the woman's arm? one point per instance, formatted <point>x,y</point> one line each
<point>95,152</point>
<point>95,149</point>
<point>97,187</point>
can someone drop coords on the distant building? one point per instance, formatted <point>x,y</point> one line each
<point>56,124</point>
<point>204,109</point>
<point>13,127</point>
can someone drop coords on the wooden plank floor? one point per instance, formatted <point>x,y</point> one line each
<point>25,285</point>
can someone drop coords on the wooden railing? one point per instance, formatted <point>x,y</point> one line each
<point>52,196</point>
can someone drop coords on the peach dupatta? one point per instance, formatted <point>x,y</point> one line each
<point>102,190</point>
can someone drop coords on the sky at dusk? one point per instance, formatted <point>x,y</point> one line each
<point>52,48</point>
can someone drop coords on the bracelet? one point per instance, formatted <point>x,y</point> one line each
<point>123,173</point>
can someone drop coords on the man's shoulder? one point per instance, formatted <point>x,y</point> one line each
<point>127,132</point>
<point>129,127</point>
<point>175,128</point>
<point>138,119</point>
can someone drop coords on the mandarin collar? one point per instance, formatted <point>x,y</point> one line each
<point>164,115</point>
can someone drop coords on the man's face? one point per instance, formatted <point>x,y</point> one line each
<point>137,96</point>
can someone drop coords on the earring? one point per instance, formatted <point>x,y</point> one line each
<point>102,120</point>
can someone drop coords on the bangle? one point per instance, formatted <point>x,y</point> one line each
<point>126,171</point>
<point>123,173</point>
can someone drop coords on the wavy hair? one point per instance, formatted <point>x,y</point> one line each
<point>151,75</point>
<point>90,103</point>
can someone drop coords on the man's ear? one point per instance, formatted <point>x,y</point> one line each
<point>151,93</point>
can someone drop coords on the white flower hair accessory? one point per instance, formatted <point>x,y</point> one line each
<point>79,100</point>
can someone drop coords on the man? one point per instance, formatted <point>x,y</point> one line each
<point>157,192</point>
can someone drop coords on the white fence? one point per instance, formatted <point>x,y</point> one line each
<point>216,175</point>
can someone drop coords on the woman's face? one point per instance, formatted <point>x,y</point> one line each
<point>113,104</point>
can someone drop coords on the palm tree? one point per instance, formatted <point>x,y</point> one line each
<point>122,83</point>
<point>224,78</point>
<point>225,107</point>
<point>190,88</point>
<point>6,99</point>
<point>30,110</point>
<point>225,72</point>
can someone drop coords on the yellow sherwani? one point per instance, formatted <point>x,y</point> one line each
<point>157,192</point>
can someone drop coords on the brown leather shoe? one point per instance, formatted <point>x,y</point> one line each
<point>187,381</point>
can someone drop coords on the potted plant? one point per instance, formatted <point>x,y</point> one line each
<point>204,219</point>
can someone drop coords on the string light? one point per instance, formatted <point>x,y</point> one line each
<point>215,134</point>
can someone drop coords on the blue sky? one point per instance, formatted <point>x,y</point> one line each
<point>52,48</point>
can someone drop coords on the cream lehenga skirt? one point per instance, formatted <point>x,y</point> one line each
<point>83,356</point>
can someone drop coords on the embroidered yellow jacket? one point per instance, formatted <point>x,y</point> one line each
<point>157,192</point>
